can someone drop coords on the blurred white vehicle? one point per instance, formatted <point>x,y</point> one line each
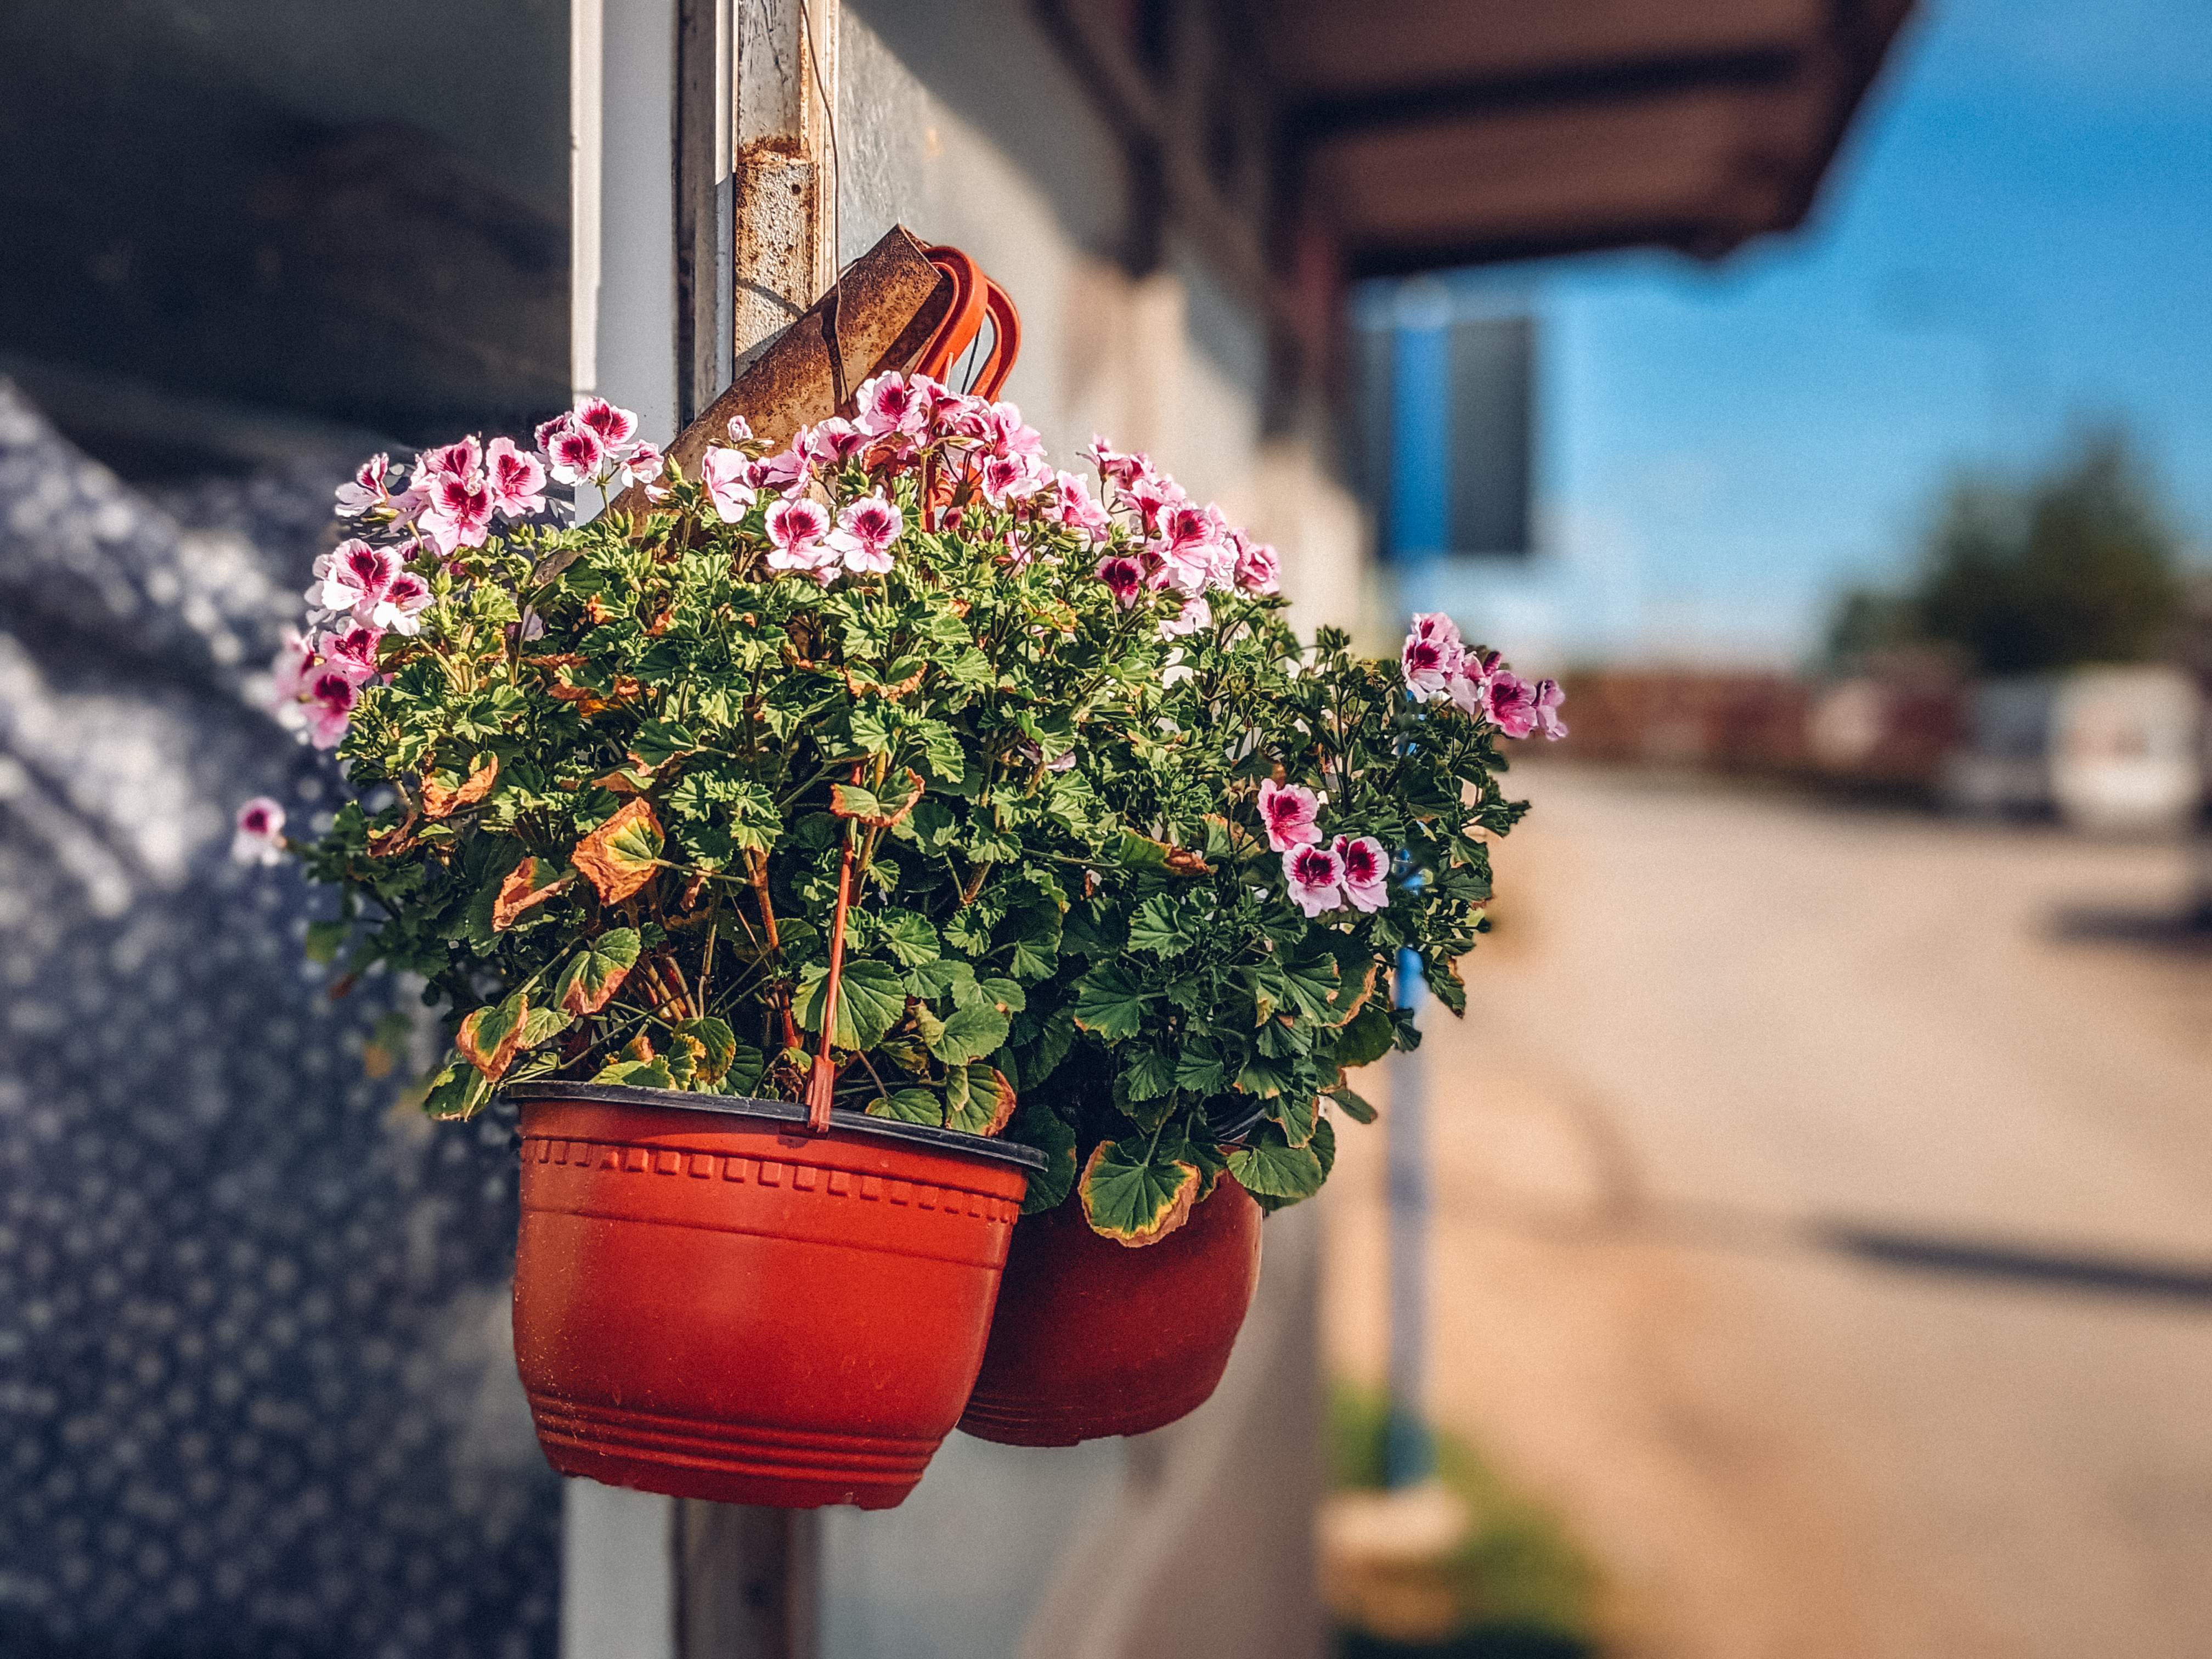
<point>2126,756</point>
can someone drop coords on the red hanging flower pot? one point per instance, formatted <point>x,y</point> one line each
<point>1093,1338</point>
<point>711,1302</point>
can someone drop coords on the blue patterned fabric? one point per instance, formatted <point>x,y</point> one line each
<point>256,1387</point>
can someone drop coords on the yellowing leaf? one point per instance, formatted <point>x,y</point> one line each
<point>619,856</point>
<point>438,800</point>
<point>489,1036</point>
<point>521,890</point>
<point>596,972</point>
<point>1134,1195</point>
<point>979,1098</point>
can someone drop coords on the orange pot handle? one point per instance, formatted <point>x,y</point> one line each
<point>975,296</point>
<point>1006,341</point>
<point>963,320</point>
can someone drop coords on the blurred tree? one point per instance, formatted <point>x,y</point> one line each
<point>2078,566</point>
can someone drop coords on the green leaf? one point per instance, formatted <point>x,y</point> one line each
<point>932,825</point>
<point>870,1002</point>
<point>1309,979</point>
<point>323,938</point>
<point>1148,1073</point>
<point>906,937</point>
<point>596,972</point>
<point>971,1033</point>
<point>941,749</point>
<point>541,1024</point>
<point>1266,1077</point>
<point>1268,1166</point>
<point>659,741</point>
<point>1443,975</point>
<point>1199,1067</point>
<point>1037,1125</point>
<point>459,1090</point>
<point>1033,932</point>
<point>948,977</point>
<point>1366,1038</point>
<point>910,1106</point>
<point>1161,925</point>
<point>849,801</point>
<point>637,1073</point>
<point>1111,1003</point>
<point>1135,1192</point>
<point>1002,993</point>
<point>1355,1107</point>
<point>746,1065</point>
<point>1040,1058</point>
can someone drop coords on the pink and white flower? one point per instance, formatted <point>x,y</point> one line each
<point>796,526</point>
<point>864,532</point>
<point>1073,504</point>
<point>401,606</point>
<point>741,429</point>
<point>258,834</point>
<point>1510,703</point>
<point>1366,869</point>
<point>1316,876</point>
<point>1549,698</point>
<point>786,472</point>
<point>463,459</point>
<point>832,442</point>
<point>731,481</point>
<point>1007,433</point>
<point>1292,813</point>
<point>459,513</point>
<point>515,478</point>
<point>288,675</point>
<point>352,653</point>
<point>1006,477</point>
<point>613,427</point>
<point>890,403</point>
<point>1259,567</point>
<point>1433,653</point>
<point>352,577</point>
<point>329,701</point>
<point>644,465</point>
<point>369,488</point>
<point>1114,465</point>
<point>1193,565</point>
<point>575,451</point>
<point>1124,578</point>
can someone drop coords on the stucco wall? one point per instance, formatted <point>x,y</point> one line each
<point>966,124</point>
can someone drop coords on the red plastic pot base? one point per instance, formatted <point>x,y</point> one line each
<point>729,1467</point>
<point>1094,1338</point>
<point>717,1307</point>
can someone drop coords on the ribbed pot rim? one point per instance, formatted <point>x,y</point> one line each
<point>786,1111</point>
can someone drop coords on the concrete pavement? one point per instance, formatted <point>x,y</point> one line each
<point>1825,1226</point>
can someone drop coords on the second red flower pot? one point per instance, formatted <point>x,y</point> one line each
<point>711,1302</point>
<point>1092,1338</point>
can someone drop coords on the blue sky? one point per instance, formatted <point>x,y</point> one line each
<point>2017,240</point>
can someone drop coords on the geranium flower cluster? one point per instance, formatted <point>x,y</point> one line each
<point>826,504</point>
<point>1322,876</point>
<point>376,584</point>
<point>1438,665</point>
